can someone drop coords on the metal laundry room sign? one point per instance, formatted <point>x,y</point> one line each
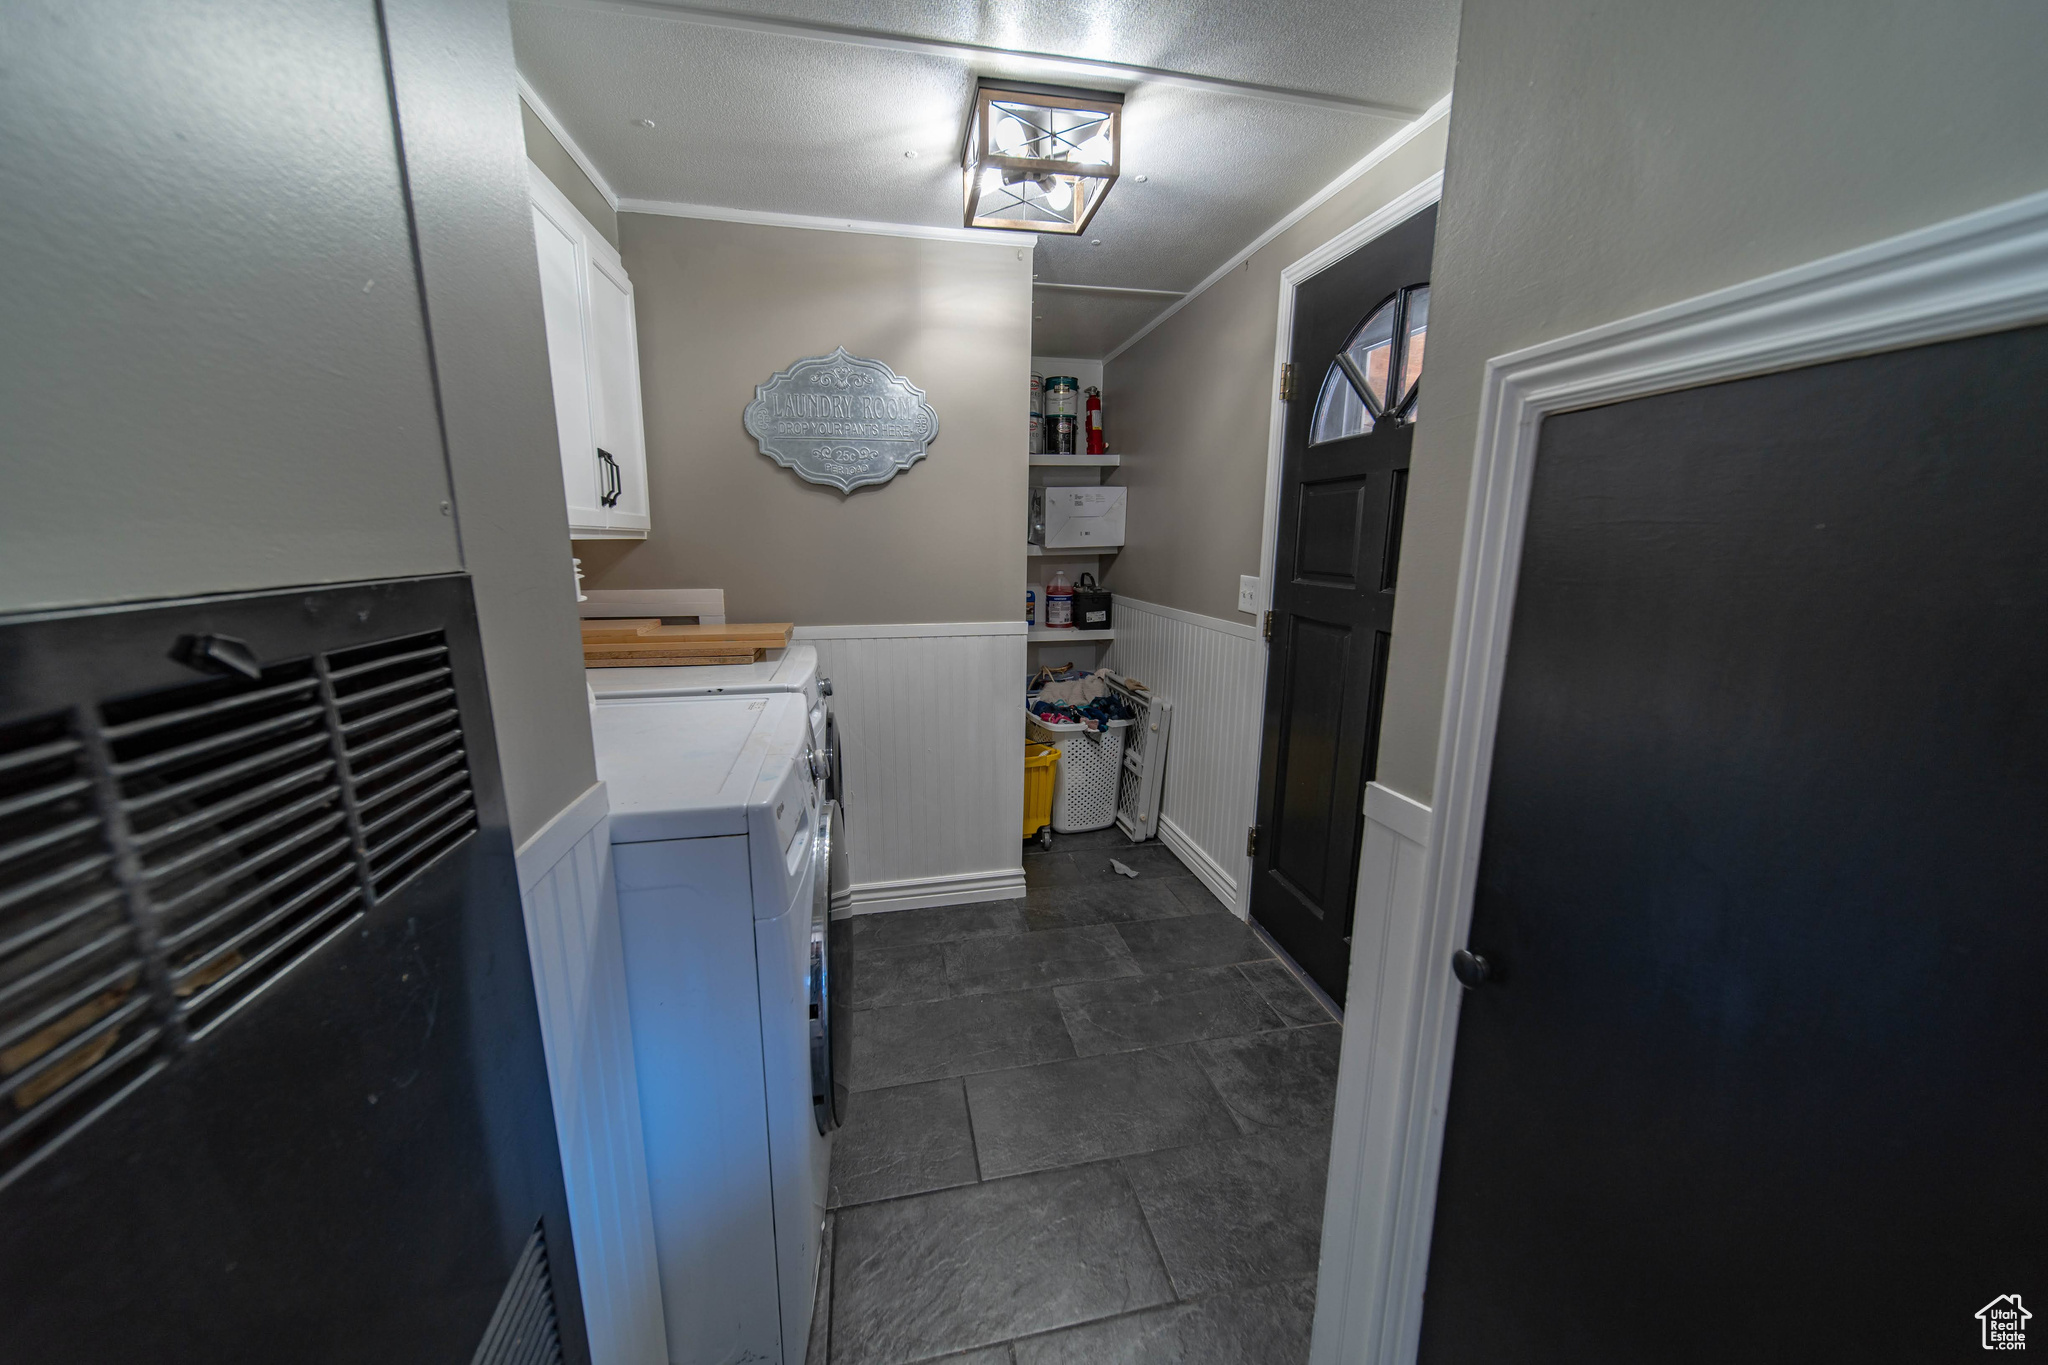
<point>842,420</point>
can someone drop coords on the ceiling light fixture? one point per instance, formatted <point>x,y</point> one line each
<point>1040,158</point>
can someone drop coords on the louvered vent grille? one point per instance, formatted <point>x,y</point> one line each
<point>164,857</point>
<point>77,1020</point>
<point>523,1330</point>
<point>231,800</point>
<point>403,736</point>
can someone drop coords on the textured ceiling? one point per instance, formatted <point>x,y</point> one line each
<point>803,125</point>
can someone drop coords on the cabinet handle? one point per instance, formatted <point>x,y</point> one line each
<point>610,497</point>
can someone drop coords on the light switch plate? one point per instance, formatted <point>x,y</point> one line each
<point>1248,593</point>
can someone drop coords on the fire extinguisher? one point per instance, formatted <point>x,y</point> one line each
<point>1097,445</point>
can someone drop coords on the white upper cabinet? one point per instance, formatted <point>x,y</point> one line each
<point>594,359</point>
<point>615,391</point>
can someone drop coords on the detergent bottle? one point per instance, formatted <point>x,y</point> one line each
<point>1059,601</point>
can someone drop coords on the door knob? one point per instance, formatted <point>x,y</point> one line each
<point>1470,968</point>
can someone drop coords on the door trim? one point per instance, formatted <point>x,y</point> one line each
<point>1983,272</point>
<point>1391,214</point>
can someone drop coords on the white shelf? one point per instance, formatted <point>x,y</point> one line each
<point>1071,552</point>
<point>1046,635</point>
<point>1078,461</point>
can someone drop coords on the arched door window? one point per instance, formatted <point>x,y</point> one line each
<point>1376,377</point>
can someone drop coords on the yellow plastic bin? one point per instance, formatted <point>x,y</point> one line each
<point>1040,763</point>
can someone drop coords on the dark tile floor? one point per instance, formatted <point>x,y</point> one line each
<point>1088,1126</point>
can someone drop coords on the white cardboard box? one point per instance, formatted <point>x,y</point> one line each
<point>1079,518</point>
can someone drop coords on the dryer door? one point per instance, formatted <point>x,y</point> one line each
<point>831,993</point>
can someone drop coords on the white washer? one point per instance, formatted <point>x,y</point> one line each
<point>721,842</point>
<point>795,669</point>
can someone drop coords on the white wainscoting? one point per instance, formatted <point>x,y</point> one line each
<point>931,737</point>
<point>579,977</point>
<point>1214,671</point>
<point>1364,1274</point>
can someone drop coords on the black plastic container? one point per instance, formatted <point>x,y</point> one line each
<point>1091,605</point>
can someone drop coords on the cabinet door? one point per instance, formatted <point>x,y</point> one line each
<point>615,388</point>
<point>561,295</point>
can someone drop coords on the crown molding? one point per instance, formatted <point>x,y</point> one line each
<point>761,218</point>
<point>1109,289</point>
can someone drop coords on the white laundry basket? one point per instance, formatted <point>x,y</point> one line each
<point>1085,783</point>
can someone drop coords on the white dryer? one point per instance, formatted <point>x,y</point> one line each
<point>721,833</point>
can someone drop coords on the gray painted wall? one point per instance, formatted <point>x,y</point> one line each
<point>546,151</point>
<point>1189,408</point>
<point>452,64</point>
<point>215,363</point>
<point>722,306</point>
<point>1609,158</point>
<point>213,369</point>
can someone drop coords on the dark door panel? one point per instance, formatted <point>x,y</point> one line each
<point>1766,839</point>
<point>1333,604</point>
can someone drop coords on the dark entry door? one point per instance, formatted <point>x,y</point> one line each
<point>1764,1076</point>
<point>1358,341</point>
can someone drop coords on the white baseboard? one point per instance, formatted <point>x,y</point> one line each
<point>915,893</point>
<point>1207,870</point>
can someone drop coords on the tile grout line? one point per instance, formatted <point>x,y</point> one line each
<point>1145,1221</point>
<point>973,1138</point>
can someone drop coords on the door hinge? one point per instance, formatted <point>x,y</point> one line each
<point>1287,381</point>
<point>1268,629</point>
<point>1251,841</point>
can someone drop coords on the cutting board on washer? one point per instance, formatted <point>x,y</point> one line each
<point>644,642</point>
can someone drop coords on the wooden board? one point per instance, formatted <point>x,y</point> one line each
<point>637,630</point>
<point>774,634</point>
<point>627,628</point>
<point>681,649</point>
<point>673,660</point>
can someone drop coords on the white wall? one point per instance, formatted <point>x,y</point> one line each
<point>931,738</point>
<point>571,902</point>
<point>1214,673</point>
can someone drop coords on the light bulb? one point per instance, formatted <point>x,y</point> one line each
<point>1096,151</point>
<point>1010,134</point>
<point>1060,196</point>
<point>991,180</point>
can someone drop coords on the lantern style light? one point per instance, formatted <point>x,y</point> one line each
<point>1040,158</point>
